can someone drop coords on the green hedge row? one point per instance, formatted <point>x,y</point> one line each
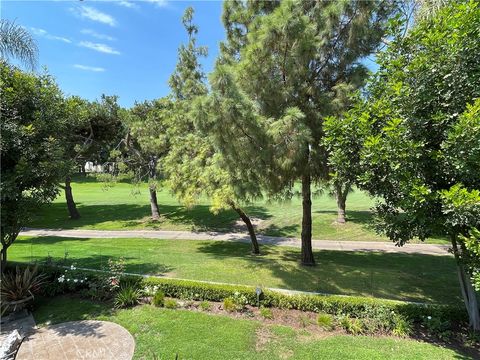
<point>332,304</point>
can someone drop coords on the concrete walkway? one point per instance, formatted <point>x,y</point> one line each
<point>98,340</point>
<point>428,249</point>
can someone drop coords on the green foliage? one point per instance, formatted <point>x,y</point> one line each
<point>351,325</point>
<point>158,298</point>
<point>438,326</point>
<point>205,305</point>
<point>272,88</point>
<point>472,243</point>
<point>16,42</point>
<point>20,284</point>
<point>266,313</point>
<point>331,304</point>
<point>325,321</point>
<point>402,327</point>
<point>229,304</point>
<point>127,296</point>
<point>422,154</point>
<point>170,303</point>
<point>33,115</point>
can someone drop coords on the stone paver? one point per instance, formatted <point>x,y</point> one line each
<point>428,249</point>
<point>78,340</point>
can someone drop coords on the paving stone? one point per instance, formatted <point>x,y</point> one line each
<point>79,340</point>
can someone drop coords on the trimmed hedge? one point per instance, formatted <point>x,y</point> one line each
<point>355,306</point>
<point>331,304</point>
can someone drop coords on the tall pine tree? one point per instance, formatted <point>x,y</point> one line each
<point>291,62</point>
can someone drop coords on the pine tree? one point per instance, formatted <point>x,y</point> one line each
<point>291,63</point>
<point>192,166</point>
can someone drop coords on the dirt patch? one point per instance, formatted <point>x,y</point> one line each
<point>263,337</point>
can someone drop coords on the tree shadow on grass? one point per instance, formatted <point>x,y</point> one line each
<point>97,258</point>
<point>412,277</point>
<point>198,218</point>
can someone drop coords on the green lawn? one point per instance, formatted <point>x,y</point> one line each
<point>119,207</point>
<point>194,335</point>
<point>423,278</point>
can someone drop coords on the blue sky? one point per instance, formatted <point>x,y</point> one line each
<point>124,48</point>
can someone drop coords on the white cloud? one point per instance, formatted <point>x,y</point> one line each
<point>128,4</point>
<point>45,34</point>
<point>97,35</point>
<point>159,3</point>
<point>99,47</point>
<point>93,14</point>
<point>89,68</point>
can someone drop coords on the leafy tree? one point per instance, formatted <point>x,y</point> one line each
<point>145,144</point>
<point>293,63</point>
<point>193,167</point>
<point>33,117</point>
<point>94,129</point>
<point>344,138</point>
<point>16,42</point>
<point>423,154</point>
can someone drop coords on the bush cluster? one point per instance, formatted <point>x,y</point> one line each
<point>358,307</point>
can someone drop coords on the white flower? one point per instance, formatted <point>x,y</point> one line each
<point>68,279</point>
<point>429,317</point>
<point>61,279</point>
<point>73,267</point>
<point>75,280</point>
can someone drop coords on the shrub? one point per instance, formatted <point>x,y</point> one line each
<point>159,298</point>
<point>330,304</point>
<point>325,321</point>
<point>402,327</point>
<point>229,304</point>
<point>437,326</point>
<point>351,325</point>
<point>170,303</point>
<point>266,313</point>
<point>205,305</point>
<point>127,296</point>
<point>19,285</point>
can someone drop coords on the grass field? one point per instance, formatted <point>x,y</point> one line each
<point>423,278</point>
<point>194,335</point>
<point>119,208</point>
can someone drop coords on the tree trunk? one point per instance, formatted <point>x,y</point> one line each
<point>154,204</point>
<point>3,258</point>
<point>307,253</point>
<point>251,229</point>
<point>72,208</point>
<point>468,292</point>
<point>341,196</point>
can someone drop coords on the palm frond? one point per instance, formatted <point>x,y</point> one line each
<point>16,42</point>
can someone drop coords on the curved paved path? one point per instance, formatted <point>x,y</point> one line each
<point>78,340</point>
<point>428,249</point>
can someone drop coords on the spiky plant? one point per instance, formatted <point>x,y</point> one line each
<point>21,284</point>
<point>16,42</point>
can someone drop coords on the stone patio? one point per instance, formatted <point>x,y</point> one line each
<point>99,340</point>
